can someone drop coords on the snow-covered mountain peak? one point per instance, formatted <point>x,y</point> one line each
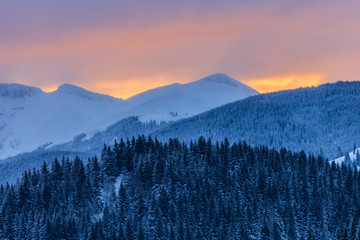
<point>78,91</point>
<point>221,78</point>
<point>15,90</point>
<point>66,87</point>
<point>72,89</point>
<point>176,101</point>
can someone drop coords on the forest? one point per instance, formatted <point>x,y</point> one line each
<point>320,120</point>
<point>143,188</point>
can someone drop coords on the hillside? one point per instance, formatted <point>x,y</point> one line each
<point>318,120</point>
<point>146,189</point>
<point>29,119</point>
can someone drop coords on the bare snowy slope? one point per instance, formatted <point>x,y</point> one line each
<point>30,118</point>
<point>177,101</point>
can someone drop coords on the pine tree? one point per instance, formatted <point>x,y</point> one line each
<point>140,232</point>
<point>108,162</point>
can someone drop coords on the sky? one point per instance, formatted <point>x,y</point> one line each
<point>123,47</point>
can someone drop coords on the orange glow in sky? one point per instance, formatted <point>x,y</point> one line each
<point>273,84</point>
<point>130,87</point>
<point>49,89</point>
<point>122,49</point>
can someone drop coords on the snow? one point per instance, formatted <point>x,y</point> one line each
<point>352,156</point>
<point>30,118</point>
<point>43,118</point>
<point>15,90</point>
<point>177,101</point>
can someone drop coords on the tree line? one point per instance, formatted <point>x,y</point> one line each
<point>141,188</point>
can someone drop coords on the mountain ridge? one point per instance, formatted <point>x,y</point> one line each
<point>67,88</point>
<point>220,78</point>
<point>56,117</point>
<point>16,90</point>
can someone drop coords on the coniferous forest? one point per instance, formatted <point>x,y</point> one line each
<point>141,188</point>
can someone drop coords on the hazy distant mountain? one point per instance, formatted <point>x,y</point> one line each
<point>30,118</point>
<point>178,101</point>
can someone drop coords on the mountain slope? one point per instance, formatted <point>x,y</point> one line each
<point>82,146</point>
<point>177,101</point>
<point>30,118</point>
<point>318,119</point>
<point>41,118</point>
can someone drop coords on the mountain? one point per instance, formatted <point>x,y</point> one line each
<point>15,90</point>
<point>179,101</point>
<point>31,118</point>
<point>318,119</point>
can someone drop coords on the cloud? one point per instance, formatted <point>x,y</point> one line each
<point>123,49</point>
